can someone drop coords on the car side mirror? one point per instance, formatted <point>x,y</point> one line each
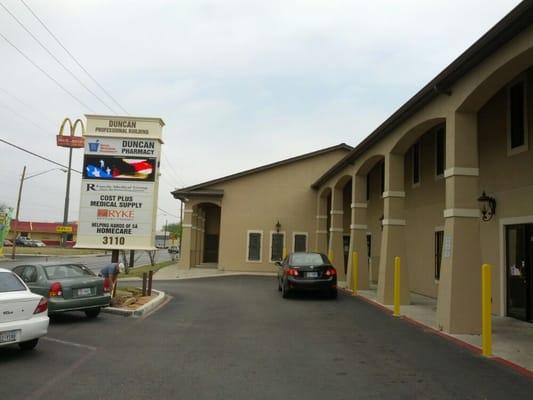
<point>278,263</point>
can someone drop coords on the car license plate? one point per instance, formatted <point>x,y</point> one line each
<point>84,292</point>
<point>311,275</point>
<point>8,336</point>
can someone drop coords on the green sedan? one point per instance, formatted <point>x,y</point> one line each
<point>68,287</point>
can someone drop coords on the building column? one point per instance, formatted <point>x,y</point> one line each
<point>358,229</point>
<point>321,238</point>
<point>201,233</point>
<point>186,239</point>
<point>336,232</point>
<point>194,238</point>
<point>458,303</point>
<point>393,233</point>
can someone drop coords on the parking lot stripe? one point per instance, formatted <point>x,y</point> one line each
<point>79,345</point>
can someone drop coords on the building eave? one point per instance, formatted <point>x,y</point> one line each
<point>506,29</point>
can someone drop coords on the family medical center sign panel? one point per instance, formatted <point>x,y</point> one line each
<point>118,201</point>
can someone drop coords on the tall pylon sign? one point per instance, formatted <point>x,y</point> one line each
<point>118,200</point>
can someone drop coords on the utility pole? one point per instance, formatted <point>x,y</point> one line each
<point>67,195</point>
<point>17,213</point>
<point>165,236</point>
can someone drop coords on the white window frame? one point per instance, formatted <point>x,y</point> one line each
<point>284,245</point>
<point>417,184</point>
<point>525,147</point>
<point>306,240</point>
<point>248,246</point>
<point>437,175</point>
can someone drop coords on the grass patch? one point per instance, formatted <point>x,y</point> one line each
<point>138,271</point>
<point>53,251</point>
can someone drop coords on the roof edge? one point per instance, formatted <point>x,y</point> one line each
<point>507,28</point>
<point>341,146</point>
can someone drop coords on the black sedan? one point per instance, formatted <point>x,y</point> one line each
<point>306,271</point>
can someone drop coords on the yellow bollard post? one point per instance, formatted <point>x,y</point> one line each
<point>396,287</point>
<point>486,308</point>
<point>355,271</point>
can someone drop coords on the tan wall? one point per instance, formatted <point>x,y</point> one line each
<point>507,178</point>
<point>424,206</point>
<point>374,215</point>
<point>258,201</point>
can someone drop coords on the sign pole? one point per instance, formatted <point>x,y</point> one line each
<point>17,213</point>
<point>67,195</point>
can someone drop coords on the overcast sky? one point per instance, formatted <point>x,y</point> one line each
<point>238,83</point>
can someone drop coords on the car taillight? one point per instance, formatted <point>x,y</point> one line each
<point>107,285</point>
<point>42,306</point>
<point>292,272</point>
<point>330,272</point>
<point>55,290</point>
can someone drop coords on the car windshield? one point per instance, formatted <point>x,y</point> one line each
<point>302,259</point>
<point>10,283</point>
<point>66,271</point>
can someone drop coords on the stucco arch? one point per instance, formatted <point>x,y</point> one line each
<point>413,133</point>
<point>193,204</point>
<point>492,80</point>
<point>342,181</point>
<point>368,164</point>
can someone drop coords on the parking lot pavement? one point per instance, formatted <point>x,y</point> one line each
<point>94,261</point>
<point>236,338</point>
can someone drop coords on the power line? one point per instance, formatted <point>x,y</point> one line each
<point>169,164</point>
<point>167,213</point>
<point>45,73</point>
<point>73,58</point>
<point>27,105</point>
<point>55,58</point>
<point>22,116</point>
<point>37,155</point>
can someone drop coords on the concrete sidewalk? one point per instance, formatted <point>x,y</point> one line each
<point>512,340</point>
<point>173,272</point>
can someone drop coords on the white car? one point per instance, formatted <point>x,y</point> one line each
<point>23,314</point>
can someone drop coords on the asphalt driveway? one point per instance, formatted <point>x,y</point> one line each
<point>235,338</point>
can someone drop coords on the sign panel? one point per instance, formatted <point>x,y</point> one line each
<point>64,229</point>
<point>75,142</point>
<point>118,202</point>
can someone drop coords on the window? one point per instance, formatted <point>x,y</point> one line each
<point>416,163</point>
<point>10,283</point>
<point>440,151</point>
<point>299,242</point>
<point>301,260</point>
<point>29,274</point>
<point>277,244</point>
<point>439,238</point>
<point>254,246</point>
<point>517,126</point>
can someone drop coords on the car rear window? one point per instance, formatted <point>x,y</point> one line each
<point>66,271</point>
<point>302,259</point>
<point>10,283</point>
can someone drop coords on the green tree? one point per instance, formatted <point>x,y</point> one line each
<point>174,229</point>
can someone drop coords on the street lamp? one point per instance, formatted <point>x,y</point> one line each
<point>22,179</point>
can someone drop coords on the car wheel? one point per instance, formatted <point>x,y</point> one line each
<point>92,313</point>
<point>29,345</point>
<point>285,291</point>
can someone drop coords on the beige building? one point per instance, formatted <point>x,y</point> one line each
<point>446,183</point>
<point>246,221</point>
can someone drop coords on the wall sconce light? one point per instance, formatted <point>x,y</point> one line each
<point>488,206</point>
<point>278,226</point>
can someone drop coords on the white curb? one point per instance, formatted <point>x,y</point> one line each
<point>139,312</point>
